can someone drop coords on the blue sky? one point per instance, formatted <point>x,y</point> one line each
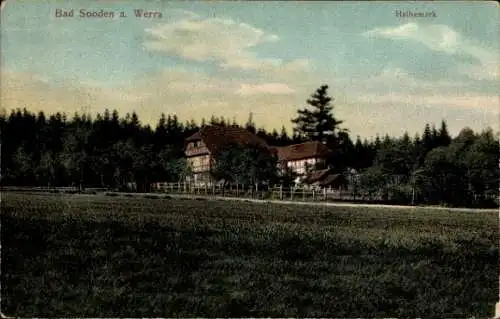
<point>387,74</point>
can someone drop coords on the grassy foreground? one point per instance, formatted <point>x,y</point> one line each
<point>85,256</point>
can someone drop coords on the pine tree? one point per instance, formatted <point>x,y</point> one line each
<point>107,115</point>
<point>443,135</point>
<point>213,120</point>
<point>41,132</point>
<point>274,138</point>
<point>387,142</point>
<point>405,140</point>
<point>192,125</point>
<point>223,121</point>
<point>377,144</point>
<point>317,123</point>
<point>359,154</point>
<point>284,139</point>
<point>115,117</point>
<point>261,132</point>
<point>160,133</point>
<point>427,138</point>
<point>250,124</point>
<point>175,123</point>
<point>134,121</point>
<point>434,137</point>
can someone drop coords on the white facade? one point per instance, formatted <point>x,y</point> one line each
<point>199,160</point>
<point>199,163</point>
<point>300,166</point>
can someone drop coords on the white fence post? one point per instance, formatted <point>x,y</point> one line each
<point>324,193</point>
<point>281,192</point>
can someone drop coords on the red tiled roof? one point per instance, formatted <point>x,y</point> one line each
<point>194,137</point>
<point>216,137</point>
<point>302,151</point>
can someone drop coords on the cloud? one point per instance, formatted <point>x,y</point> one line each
<point>19,90</point>
<point>436,37</point>
<point>488,104</point>
<point>396,79</point>
<point>442,38</point>
<point>180,80</point>
<point>486,71</point>
<point>195,95</point>
<point>266,88</point>
<point>395,101</point>
<point>210,39</point>
<point>224,41</point>
<point>369,114</point>
<point>190,95</point>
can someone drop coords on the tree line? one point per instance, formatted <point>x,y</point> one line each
<point>112,151</point>
<point>106,151</point>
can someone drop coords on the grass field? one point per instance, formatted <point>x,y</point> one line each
<point>75,255</point>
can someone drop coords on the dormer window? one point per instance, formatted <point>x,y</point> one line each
<point>196,144</point>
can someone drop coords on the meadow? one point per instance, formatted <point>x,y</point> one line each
<point>98,256</point>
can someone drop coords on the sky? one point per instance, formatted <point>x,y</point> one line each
<point>386,73</point>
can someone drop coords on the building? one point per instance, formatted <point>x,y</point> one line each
<point>327,178</point>
<point>202,146</point>
<point>301,158</point>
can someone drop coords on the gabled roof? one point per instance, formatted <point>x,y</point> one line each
<point>216,137</point>
<point>318,175</point>
<point>302,151</point>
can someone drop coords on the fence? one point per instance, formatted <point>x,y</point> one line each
<point>68,189</point>
<point>302,193</point>
<point>294,193</point>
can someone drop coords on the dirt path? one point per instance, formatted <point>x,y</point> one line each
<point>288,202</point>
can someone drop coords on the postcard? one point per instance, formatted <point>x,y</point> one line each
<point>249,158</point>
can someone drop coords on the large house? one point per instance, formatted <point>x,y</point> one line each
<point>202,146</point>
<point>304,157</point>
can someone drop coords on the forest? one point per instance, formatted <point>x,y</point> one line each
<point>111,150</point>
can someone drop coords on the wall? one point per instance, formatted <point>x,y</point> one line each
<point>299,166</point>
<point>196,148</point>
<point>199,163</point>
